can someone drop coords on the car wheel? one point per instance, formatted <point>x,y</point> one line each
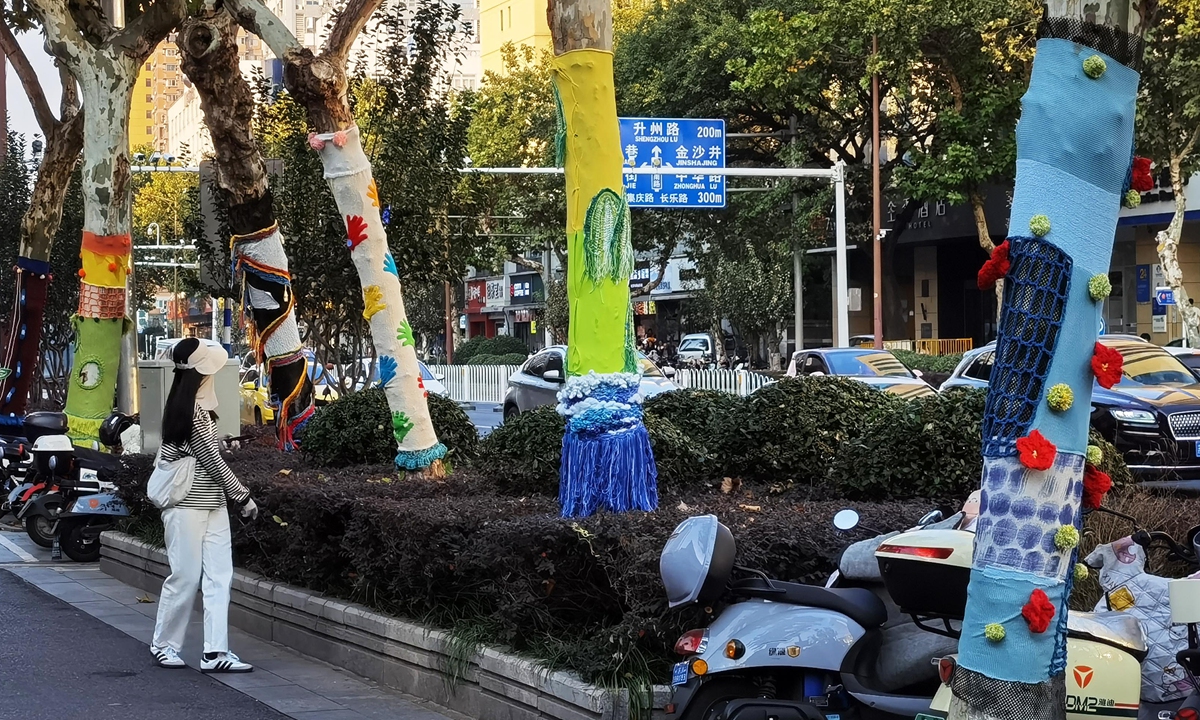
<point>510,412</point>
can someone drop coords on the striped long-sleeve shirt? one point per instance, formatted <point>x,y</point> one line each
<point>213,480</point>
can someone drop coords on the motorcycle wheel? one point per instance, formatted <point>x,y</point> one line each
<point>74,545</point>
<point>709,703</point>
<point>39,528</point>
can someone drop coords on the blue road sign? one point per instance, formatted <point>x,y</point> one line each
<point>685,146</point>
<point>1164,296</point>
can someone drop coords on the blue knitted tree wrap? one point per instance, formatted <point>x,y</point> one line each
<point>607,462</point>
<point>419,459</point>
<point>13,422</point>
<point>1073,143</point>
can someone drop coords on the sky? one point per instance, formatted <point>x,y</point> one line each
<point>20,112</point>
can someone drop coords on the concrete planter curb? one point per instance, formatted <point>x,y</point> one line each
<point>492,685</point>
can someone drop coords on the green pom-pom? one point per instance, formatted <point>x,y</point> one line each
<point>1060,398</point>
<point>1094,454</point>
<point>994,632</point>
<point>1094,66</point>
<point>1081,572</point>
<point>1066,538</point>
<point>1099,286</point>
<point>1133,198</point>
<point>1039,225</point>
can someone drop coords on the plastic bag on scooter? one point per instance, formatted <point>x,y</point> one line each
<point>1129,588</point>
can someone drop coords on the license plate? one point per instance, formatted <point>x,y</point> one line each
<point>679,675</point>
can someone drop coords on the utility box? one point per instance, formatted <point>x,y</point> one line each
<point>156,377</point>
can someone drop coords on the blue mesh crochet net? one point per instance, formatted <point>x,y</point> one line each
<point>1035,300</point>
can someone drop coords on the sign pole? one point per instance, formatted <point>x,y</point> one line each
<point>843,295</point>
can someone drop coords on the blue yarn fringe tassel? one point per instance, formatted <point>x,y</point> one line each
<point>607,461</point>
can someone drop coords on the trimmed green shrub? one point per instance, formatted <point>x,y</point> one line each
<point>793,428</point>
<point>523,456</point>
<point>356,429</point>
<point>499,345</point>
<point>708,418</point>
<point>926,447</point>
<point>1113,463</point>
<point>508,359</point>
<point>928,363</point>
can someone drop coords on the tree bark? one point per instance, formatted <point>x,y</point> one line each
<point>985,241</point>
<point>209,51</point>
<point>319,83</point>
<point>105,62</point>
<point>20,356</point>
<point>1168,250</point>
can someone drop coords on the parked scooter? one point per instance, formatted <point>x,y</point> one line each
<point>799,652</point>
<point>15,463</point>
<point>788,651</point>
<point>73,504</point>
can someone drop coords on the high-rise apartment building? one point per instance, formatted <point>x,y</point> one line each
<point>520,22</point>
<point>159,85</point>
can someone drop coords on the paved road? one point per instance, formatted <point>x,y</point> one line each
<point>63,663</point>
<point>485,416</point>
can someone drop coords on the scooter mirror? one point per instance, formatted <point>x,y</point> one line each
<point>931,518</point>
<point>845,519</point>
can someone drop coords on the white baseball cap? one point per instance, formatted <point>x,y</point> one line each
<point>204,356</point>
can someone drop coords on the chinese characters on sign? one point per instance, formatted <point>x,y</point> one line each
<point>495,293</point>
<point>686,146</point>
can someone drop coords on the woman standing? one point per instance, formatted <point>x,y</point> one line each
<point>199,543</point>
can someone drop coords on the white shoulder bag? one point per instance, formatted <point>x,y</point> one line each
<point>171,480</point>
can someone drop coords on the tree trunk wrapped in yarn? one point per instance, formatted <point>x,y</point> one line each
<point>1073,160</point>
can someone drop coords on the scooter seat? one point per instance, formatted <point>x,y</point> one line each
<point>859,604</point>
<point>96,460</point>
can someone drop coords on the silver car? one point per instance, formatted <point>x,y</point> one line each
<point>541,377</point>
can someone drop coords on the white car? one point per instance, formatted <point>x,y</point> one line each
<point>431,380</point>
<point>541,377</point>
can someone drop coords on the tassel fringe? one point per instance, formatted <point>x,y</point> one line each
<point>607,461</point>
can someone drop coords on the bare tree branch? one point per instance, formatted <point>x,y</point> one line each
<point>140,36</point>
<point>346,29</point>
<point>69,105</point>
<point>29,79</point>
<point>62,34</point>
<point>257,18</point>
<point>91,21</point>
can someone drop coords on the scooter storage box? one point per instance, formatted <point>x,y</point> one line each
<point>926,571</point>
<point>52,455</point>
<point>38,424</point>
<point>697,561</point>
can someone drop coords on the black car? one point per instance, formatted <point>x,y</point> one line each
<point>1152,415</point>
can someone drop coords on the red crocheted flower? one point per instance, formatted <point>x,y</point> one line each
<point>421,384</point>
<point>1036,452</point>
<point>1096,482</point>
<point>1107,365</point>
<point>995,268</point>
<point>1038,611</point>
<point>356,231</point>
<point>1142,181</point>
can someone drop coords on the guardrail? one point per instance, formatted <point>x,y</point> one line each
<point>489,383</point>
<point>945,346</point>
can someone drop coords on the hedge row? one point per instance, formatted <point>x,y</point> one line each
<point>825,436</point>
<point>582,595</point>
<point>499,345</point>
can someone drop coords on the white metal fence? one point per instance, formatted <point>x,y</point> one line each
<point>488,383</point>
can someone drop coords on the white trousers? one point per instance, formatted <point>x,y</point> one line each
<point>199,545</point>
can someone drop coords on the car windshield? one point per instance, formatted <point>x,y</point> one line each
<point>649,369</point>
<point>694,344</point>
<point>425,374</point>
<point>1147,364</point>
<point>868,364</point>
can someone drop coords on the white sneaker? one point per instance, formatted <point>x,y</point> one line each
<point>166,657</point>
<point>225,662</point>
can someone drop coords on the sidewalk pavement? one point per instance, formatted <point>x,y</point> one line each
<point>298,687</point>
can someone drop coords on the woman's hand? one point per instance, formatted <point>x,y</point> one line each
<point>250,510</point>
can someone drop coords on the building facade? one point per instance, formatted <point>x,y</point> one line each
<point>159,85</point>
<point>520,22</point>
